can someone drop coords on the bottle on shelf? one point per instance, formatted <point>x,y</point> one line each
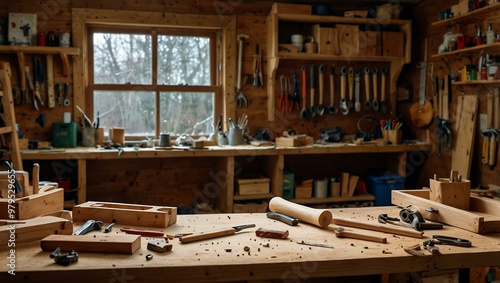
<point>478,40</point>
<point>490,35</point>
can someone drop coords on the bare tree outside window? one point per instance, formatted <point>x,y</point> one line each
<point>126,95</point>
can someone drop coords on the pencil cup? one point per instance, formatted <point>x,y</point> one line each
<point>393,136</point>
<point>88,138</point>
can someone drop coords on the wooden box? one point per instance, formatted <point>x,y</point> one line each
<point>461,8</point>
<point>455,194</point>
<point>348,39</point>
<point>369,43</point>
<point>126,214</point>
<point>283,8</point>
<point>294,141</point>
<point>250,207</point>
<point>290,48</point>
<point>393,44</point>
<point>304,190</point>
<point>252,186</point>
<point>327,39</point>
<point>48,199</point>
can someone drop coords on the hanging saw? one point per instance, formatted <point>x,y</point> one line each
<point>421,112</point>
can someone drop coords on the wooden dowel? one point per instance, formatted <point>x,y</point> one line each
<point>378,227</point>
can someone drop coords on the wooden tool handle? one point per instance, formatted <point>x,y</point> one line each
<point>350,79</point>
<point>485,152</point>
<point>367,86</point>
<point>321,87</point>
<point>493,153</point>
<point>20,62</point>
<point>375,85</point>
<point>375,227</point>
<point>304,87</point>
<point>207,235</point>
<point>319,217</point>
<point>343,81</point>
<point>313,91</point>
<point>382,88</point>
<point>50,82</point>
<point>359,236</point>
<point>36,178</point>
<point>332,89</point>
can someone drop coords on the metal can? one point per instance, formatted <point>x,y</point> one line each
<point>41,39</point>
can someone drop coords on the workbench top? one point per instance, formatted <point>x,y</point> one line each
<point>215,151</point>
<point>208,260</point>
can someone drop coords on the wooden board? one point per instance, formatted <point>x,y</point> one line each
<point>353,182</point>
<point>348,39</point>
<point>34,229</point>
<point>97,243</point>
<point>474,221</point>
<point>123,213</point>
<point>466,116</point>
<point>344,183</point>
<point>49,199</point>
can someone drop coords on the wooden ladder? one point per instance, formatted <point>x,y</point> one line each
<point>9,116</point>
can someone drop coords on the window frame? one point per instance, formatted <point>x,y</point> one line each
<point>154,32</point>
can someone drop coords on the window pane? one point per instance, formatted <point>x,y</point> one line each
<point>122,58</point>
<point>132,110</point>
<point>183,60</point>
<point>187,113</point>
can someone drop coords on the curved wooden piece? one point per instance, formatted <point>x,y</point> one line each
<point>319,217</point>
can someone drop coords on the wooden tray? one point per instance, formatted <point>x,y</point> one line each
<point>126,214</point>
<point>36,228</point>
<point>483,216</point>
<point>48,199</point>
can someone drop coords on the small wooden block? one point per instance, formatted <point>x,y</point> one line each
<point>159,246</point>
<point>48,199</point>
<point>344,183</point>
<point>265,233</point>
<point>34,229</point>
<point>97,243</point>
<point>353,182</point>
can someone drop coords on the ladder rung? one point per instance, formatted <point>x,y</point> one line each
<point>6,130</point>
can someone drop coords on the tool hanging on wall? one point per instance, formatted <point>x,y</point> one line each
<point>491,135</point>
<point>312,83</point>
<point>375,89</point>
<point>384,106</point>
<point>296,95</point>
<point>350,80</point>
<point>368,103</point>
<point>344,109</point>
<point>304,114</point>
<point>321,107</point>
<point>241,100</point>
<point>445,140</point>
<point>332,109</point>
<point>357,104</point>
<point>421,112</point>
<point>257,67</point>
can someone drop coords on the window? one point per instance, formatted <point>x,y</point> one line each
<point>151,81</point>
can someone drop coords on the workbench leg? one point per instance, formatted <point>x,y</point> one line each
<point>82,181</point>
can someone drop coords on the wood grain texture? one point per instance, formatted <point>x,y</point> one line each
<point>200,263</point>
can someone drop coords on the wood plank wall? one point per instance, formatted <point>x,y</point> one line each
<point>55,15</point>
<point>428,164</point>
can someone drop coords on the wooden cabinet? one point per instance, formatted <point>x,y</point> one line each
<point>356,39</point>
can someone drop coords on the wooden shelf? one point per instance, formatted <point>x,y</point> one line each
<point>366,197</point>
<point>73,51</point>
<point>474,16</point>
<point>477,82</point>
<point>275,58</point>
<point>487,48</point>
<point>253,197</point>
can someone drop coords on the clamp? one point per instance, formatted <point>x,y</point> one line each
<point>64,259</point>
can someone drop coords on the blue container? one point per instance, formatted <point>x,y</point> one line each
<point>381,186</point>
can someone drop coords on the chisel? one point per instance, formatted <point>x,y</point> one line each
<point>214,234</point>
<point>283,218</point>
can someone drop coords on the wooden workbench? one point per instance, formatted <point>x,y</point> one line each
<point>105,174</point>
<point>208,261</point>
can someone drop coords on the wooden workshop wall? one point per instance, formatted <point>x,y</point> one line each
<point>430,163</point>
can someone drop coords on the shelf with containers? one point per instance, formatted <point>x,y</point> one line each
<point>358,40</point>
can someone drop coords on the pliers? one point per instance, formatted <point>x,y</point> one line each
<point>284,106</point>
<point>296,95</point>
<point>440,239</point>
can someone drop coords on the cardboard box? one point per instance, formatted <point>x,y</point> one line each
<point>327,39</point>
<point>252,186</point>
<point>283,8</point>
<point>348,39</point>
<point>369,43</point>
<point>393,43</point>
<point>250,207</point>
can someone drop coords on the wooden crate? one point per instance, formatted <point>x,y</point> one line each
<point>283,8</point>
<point>48,199</point>
<point>252,186</point>
<point>393,43</point>
<point>455,194</point>
<point>250,207</point>
<point>126,214</point>
<point>348,39</point>
<point>327,39</point>
<point>369,43</point>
